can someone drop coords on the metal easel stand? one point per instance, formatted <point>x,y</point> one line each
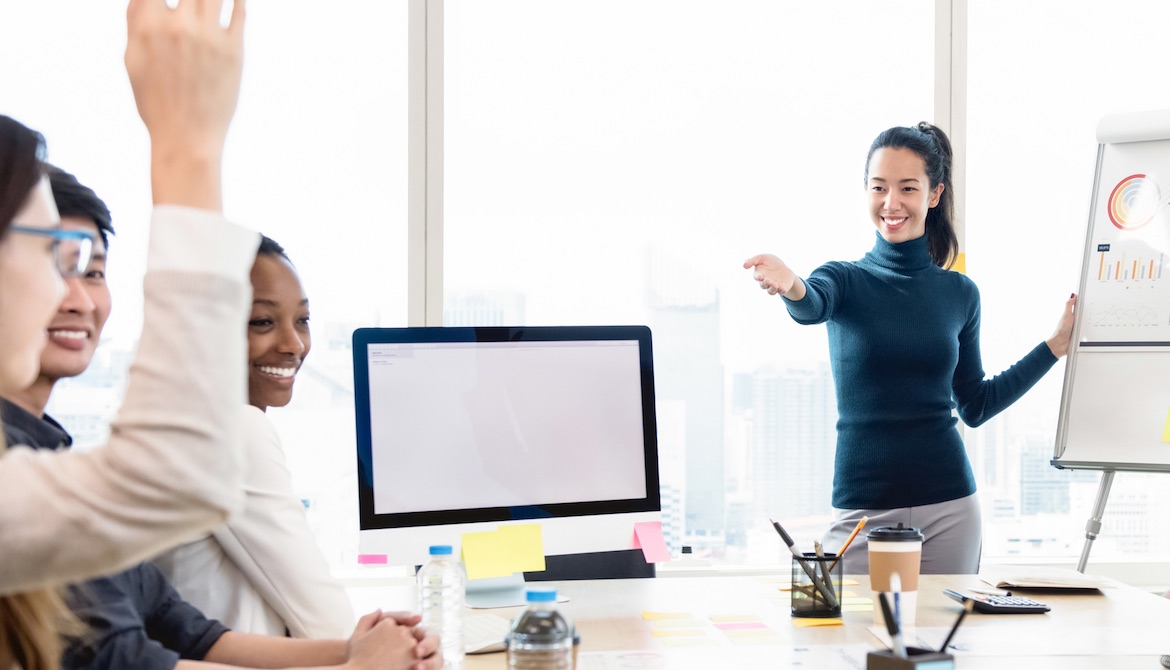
<point>1093,527</point>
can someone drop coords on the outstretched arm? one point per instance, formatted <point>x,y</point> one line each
<point>775,276</point>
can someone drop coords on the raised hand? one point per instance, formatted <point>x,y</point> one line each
<point>185,70</point>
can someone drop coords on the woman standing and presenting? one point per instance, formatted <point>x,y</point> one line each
<point>904,347</point>
<point>263,572</point>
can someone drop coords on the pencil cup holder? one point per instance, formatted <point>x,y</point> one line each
<point>916,659</point>
<point>816,586</point>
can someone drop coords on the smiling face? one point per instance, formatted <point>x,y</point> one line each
<point>75,330</point>
<point>278,332</point>
<point>900,194</point>
<point>30,290</point>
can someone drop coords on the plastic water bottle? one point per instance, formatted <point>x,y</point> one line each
<point>442,586</point>
<point>541,638</point>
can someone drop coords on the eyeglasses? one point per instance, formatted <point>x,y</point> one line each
<point>72,249</point>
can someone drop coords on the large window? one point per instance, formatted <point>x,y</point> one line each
<point>613,162</point>
<point>616,162</point>
<point>316,160</point>
<point>1041,74</point>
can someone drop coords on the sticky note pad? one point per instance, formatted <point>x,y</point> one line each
<point>648,537</point>
<point>487,555</point>
<point>733,617</point>
<point>802,622</point>
<point>689,642</point>
<point>742,625</point>
<point>654,616</point>
<point>1166,428</point>
<point>372,559</point>
<point>678,623</point>
<point>525,545</point>
<point>678,632</point>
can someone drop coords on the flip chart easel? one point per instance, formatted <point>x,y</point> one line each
<point>1115,407</point>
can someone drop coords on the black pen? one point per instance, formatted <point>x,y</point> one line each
<point>895,632</point>
<point>830,600</point>
<point>967,607</point>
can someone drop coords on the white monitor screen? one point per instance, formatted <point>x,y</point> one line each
<point>481,424</point>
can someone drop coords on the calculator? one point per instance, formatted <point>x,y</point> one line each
<point>1008,604</point>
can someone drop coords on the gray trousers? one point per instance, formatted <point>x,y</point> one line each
<point>953,531</point>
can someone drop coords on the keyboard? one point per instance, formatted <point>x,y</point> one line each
<point>484,633</point>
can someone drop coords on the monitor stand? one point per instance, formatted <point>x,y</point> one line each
<point>492,592</point>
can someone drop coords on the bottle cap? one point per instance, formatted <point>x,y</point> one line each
<point>542,595</point>
<point>899,534</point>
<point>440,550</point>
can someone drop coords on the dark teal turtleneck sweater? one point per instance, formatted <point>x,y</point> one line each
<point>904,346</point>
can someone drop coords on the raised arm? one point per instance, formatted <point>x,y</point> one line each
<point>171,470</point>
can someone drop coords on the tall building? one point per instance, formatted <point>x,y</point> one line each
<point>793,442</point>
<point>683,313</point>
<point>1043,488</point>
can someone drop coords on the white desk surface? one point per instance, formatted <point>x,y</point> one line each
<point>1119,627</point>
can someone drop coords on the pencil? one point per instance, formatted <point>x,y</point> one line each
<point>808,569</point>
<point>849,540</point>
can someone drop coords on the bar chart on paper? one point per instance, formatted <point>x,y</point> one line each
<point>1127,299</point>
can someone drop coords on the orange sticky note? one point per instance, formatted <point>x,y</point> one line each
<point>648,537</point>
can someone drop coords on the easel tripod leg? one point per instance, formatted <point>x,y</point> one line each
<point>1093,527</point>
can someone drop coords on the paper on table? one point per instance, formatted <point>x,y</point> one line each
<point>1023,577</point>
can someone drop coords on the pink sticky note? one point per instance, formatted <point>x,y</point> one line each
<point>372,559</point>
<point>648,538</point>
<point>739,626</point>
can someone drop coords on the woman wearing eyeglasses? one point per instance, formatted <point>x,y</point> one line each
<point>171,469</point>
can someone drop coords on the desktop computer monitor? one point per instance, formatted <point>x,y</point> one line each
<point>466,429</point>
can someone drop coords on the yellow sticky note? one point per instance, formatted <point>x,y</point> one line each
<point>654,616</point>
<point>689,642</point>
<point>486,555</point>
<point>731,618</point>
<point>526,546</point>
<point>678,623</point>
<point>1166,428</point>
<point>960,263</point>
<point>678,632</point>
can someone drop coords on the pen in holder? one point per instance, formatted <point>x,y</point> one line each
<point>816,585</point>
<point>916,658</point>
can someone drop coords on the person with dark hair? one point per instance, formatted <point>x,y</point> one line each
<point>171,468</point>
<point>904,349</point>
<point>135,618</point>
<point>244,573</point>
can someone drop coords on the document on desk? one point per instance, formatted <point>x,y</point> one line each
<point>822,657</point>
<point>1063,641</point>
<point>1017,577</point>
